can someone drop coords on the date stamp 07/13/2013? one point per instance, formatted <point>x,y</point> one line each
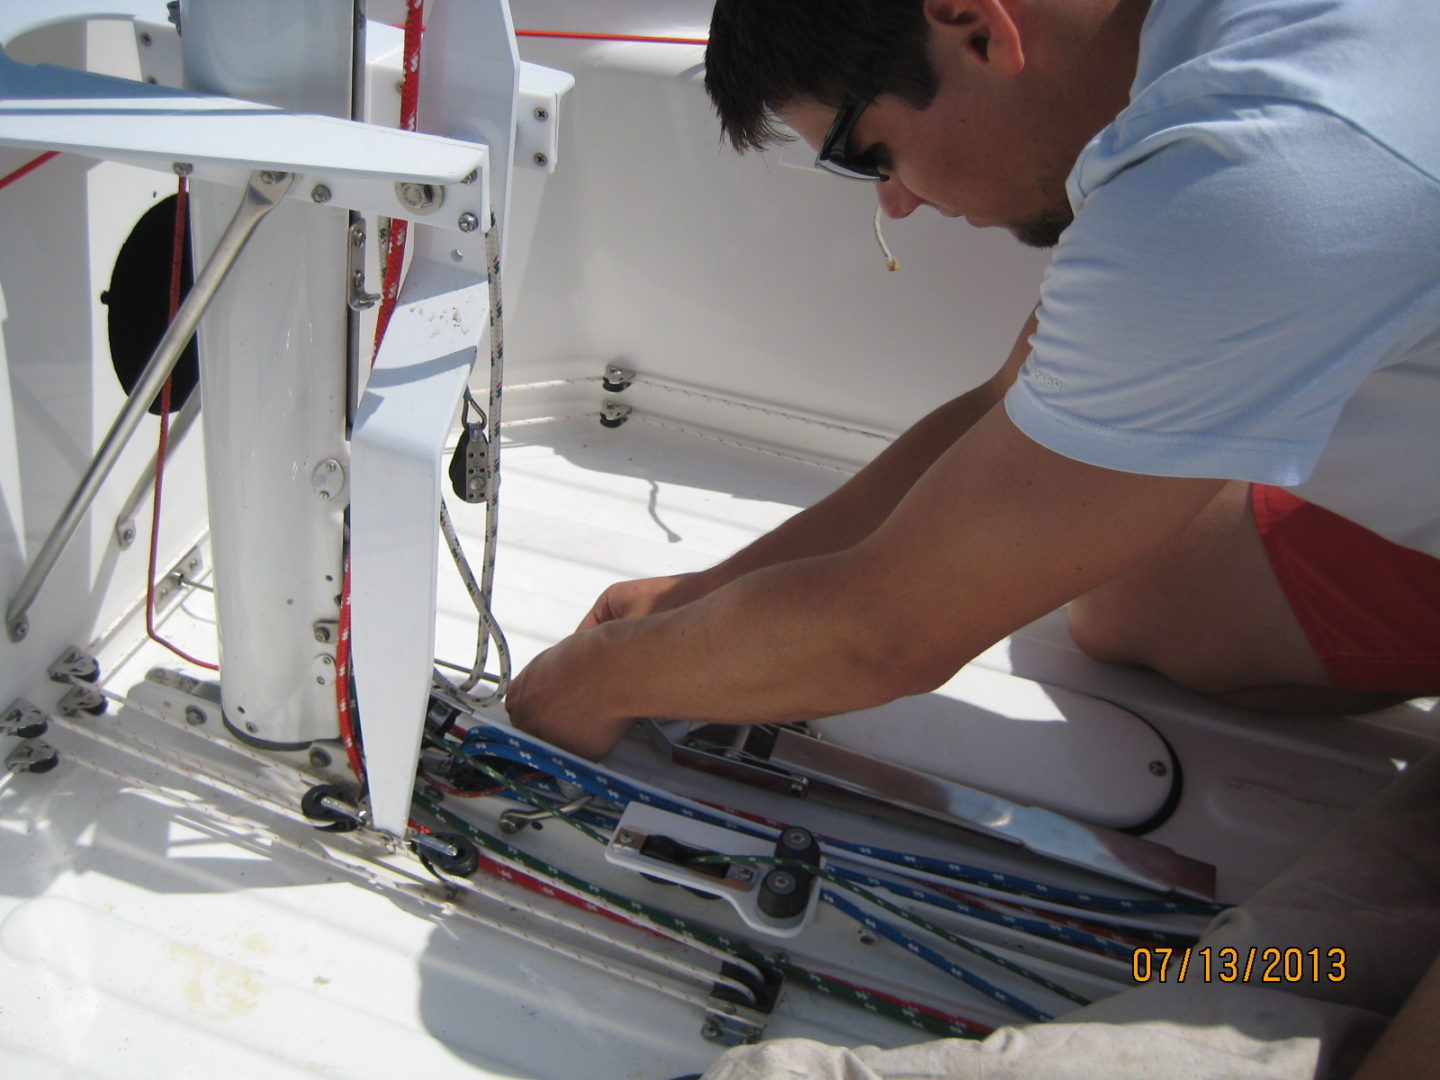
<point>1230,965</point>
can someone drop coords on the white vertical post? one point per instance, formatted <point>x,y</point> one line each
<point>272,355</point>
<point>469,82</point>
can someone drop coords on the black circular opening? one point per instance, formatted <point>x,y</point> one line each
<point>139,303</point>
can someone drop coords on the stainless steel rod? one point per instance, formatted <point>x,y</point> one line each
<point>262,194</point>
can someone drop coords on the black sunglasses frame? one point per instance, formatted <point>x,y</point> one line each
<point>836,148</point>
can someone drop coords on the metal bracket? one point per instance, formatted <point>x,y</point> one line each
<point>359,299</point>
<point>23,720</point>
<point>33,756</point>
<point>181,574</point>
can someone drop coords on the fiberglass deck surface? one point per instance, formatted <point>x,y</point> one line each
<point>130,922</point>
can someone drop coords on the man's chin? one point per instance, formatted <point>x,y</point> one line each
<point>1042,232</point>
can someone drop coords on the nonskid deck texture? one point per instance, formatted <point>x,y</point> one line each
<point>223,931</point>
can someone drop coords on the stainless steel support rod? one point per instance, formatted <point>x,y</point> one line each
<point>262,194</point>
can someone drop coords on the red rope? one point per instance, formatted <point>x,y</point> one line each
<point>389,291</point>
<point>27,168</point>
<point>177,257</point>
<point>576,36</point>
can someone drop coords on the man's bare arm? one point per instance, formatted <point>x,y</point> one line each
<point>997,532</point>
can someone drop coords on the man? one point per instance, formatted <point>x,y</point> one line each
<point>1249,293</point>
<point>1245,292</point>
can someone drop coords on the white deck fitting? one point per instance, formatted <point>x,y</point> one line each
<point>127,924</point>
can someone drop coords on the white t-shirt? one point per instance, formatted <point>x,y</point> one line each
<point>1251,286</point>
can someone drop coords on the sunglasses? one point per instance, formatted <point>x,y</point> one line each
<point>834,156</point>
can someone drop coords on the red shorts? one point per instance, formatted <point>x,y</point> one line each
<point>1370,608</point>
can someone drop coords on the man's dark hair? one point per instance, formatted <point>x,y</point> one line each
<point>766,54</point>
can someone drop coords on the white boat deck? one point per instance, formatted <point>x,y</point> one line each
<point>130,921</point>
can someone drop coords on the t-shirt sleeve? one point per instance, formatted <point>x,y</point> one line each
<point>1222,292</point>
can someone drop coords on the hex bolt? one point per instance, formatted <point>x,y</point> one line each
<point>322,633</point>
<point>744,873</point>
<point>194,715</point>
<point>540,159</point>
<point>320,193</point>
<point>468,222</point>
<point>624,838</point>
<point>268,177</point>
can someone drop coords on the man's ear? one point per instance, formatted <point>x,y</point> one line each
<point>984,30</point>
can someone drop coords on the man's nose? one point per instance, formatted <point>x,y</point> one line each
<point>896,199</point>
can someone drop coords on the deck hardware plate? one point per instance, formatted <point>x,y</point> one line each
<point>663,845</point>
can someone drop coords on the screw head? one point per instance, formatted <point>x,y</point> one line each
<point>251,727</point>
<point>419,198</point>
<point>542,113</point>
<point>320,193</point>
<point>194,716</point>
<point>1158,768</point>
<point>319,758</point>
<point>468,222</point>
<point>19,628</point>
<point>541,159</point>
<point>184,168</point>
<point>146,39</point>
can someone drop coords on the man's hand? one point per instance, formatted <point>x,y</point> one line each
<point>630,599</point>
<point>561,697</point>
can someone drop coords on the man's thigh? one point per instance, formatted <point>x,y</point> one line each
<point>1207,611</point>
